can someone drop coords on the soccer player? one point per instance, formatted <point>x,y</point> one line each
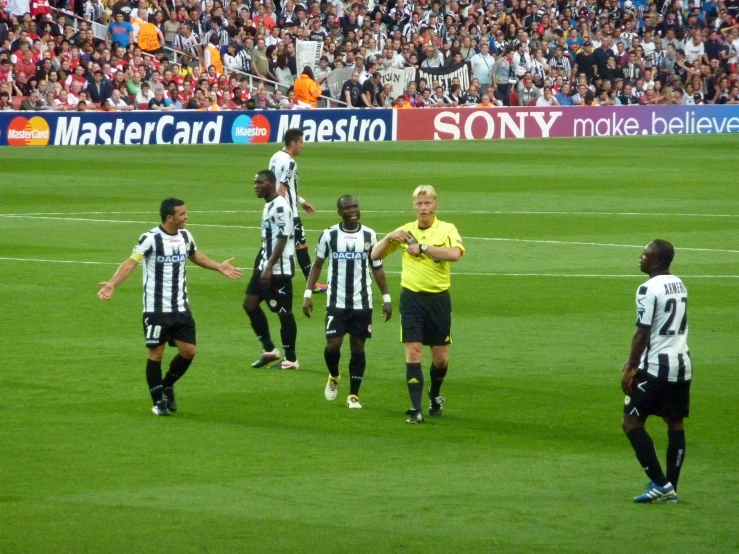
<point>167,318</point>
<point>349,308</point>
<point>285,168</point>
<point>656,376</point>
<point>429,246</point>
<point>272,277</point>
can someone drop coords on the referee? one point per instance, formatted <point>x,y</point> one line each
<point>428,245</point>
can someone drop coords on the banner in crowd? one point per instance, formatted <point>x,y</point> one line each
<point>308,53</point>
<point>191,127</point>
<point>445,75</point>
<point>336,80</point>
<point>585,121</point>
<point>397,78</point>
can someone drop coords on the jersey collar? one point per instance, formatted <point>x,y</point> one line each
<point>341,227</point>
<point>434,225</point>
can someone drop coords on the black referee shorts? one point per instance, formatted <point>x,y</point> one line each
<point>426,317</point>
<point>165,328</point>
<point>653,396</point>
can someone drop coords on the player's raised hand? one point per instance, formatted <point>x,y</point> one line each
<point>106,292</point>
<point>230,271</point>
<point>307,306</point>
<point>308,207</point>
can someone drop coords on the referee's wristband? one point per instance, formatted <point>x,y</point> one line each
<point>301,200</point>
<point>308,293</point>
<point>386,298</point>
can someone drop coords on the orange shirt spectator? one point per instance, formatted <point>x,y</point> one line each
<point>306,89</point>
<point>401,104</point>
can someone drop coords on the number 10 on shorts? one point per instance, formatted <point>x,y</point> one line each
<point>153,332</point>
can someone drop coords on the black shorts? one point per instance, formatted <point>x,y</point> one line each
<point>165,328</point>
<point>653,396</point>
<point>278,294</point>
<point>426,317</point>
<point>357,323</point>
<point>300,240</point>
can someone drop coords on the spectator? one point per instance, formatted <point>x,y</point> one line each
<point>120,31</point>
<point>307,90</point>
<point>117,103</point>
<point>100,89</point>
<point>527,92</point>
<point>370,90</point>
<point>160,102</point>
<point>547,98</point>
<point>32,103</point>
<point>351,92</point>
<point>145,95</point>
<point>563,96</point>
<point>401,104</point>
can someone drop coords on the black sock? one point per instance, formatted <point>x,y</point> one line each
<point>177,368</point>
<point>332,357</point>
<point>261,328</point>
<point>437,378</point>
<point>414,378</point>
<point>304,261</point>
<point>647,456</point>
<point>357,363</point>
<point>675,455</point>
<point>289,334</point>
<point>154,379</point>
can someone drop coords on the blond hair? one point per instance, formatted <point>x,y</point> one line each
<point>428,190</point>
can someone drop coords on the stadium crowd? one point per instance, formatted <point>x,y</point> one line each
<point>234,55</point>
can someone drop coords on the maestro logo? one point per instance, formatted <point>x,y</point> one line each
<point>28,132</point>
<point>247,129</point>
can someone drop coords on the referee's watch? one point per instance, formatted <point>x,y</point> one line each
<point>424,247</point>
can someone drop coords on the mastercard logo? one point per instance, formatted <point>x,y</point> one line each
<point>246,130</point>
<point>28,132</point>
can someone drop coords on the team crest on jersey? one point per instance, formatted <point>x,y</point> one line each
<point>366,245</point>
<point>273,303</point>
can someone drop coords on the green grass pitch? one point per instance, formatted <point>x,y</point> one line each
<point>529,456</point>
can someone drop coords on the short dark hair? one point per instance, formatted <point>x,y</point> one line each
<point>168,207</point>
<point>292,135</point>
<point>664,252</point>
<point>267,175</point>
<point>341,200</point>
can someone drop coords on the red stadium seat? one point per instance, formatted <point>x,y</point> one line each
<point>514,98</point>
<point>142,106</point>
<point>532,102</point>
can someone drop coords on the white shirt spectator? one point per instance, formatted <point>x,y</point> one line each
<point>120,105</point>
<point>142,98</point>
<point>482,67</point>
<point>694,51</point>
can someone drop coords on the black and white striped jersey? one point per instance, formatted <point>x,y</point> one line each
<point>165,273</point>
<point>662,307</point>
<point>277,224</point>
<point>285,168</point>
<point>348,256</point>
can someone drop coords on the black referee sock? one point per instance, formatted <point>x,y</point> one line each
<point>304,260</point>
<point>261,328</point>
<point>675,455</point>
<point>289,334</point>
<point>154,379</point>
<point>414,378</point>
<point>647,455</point>
<point>177,368</point>
<point>357,364</point>
<point>437,378</point>
<point>332,357</point>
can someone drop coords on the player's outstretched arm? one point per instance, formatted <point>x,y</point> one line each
<point>315,272</point>
<point>121,274</point>
<point>383,247</point>
<point>381,280</point>
<point>224,268</point>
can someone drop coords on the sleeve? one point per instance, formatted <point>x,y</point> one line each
<point>143,248</point>
<point>323,249</point>
<point>377,264</point>
<point>454,240</point>
<point>645,301</point>
<point>279,168</point>
<point>280,219</point>
<point>191,246</point>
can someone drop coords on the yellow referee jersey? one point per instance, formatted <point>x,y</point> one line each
<point>423,273</point>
